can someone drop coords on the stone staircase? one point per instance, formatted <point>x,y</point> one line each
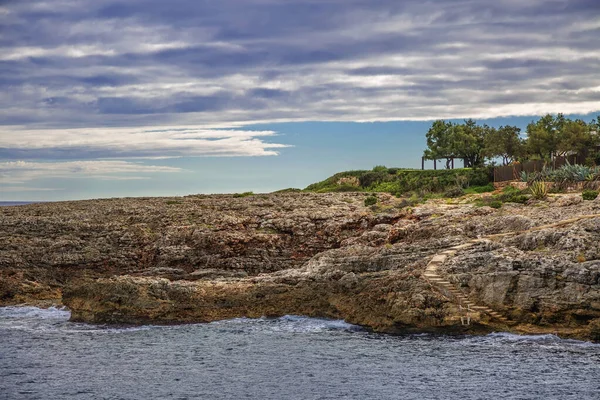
<point>450,291</point>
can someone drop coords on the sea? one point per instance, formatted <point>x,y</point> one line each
<point>16,203</point>
<point>44,356</point>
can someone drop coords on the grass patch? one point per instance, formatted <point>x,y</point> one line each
<point>480,189</point>
<point>511,195</point>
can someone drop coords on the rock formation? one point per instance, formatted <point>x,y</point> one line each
<point>204,258</point>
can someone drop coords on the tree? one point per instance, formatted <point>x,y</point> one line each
<point>543,136</point>
<point>448,140</point>
<point>468,142</point>
<point>439,141</point>
<point>595,126</point>
<point>504,142</point>
<point>576,136</point>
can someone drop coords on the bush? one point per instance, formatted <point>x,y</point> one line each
<point>495,204</point>
<point>512,195</point>
<point>510,190</point>
<point>589,194</point>
<point>539,190</point>
<point>566,174</point>
<point>454,192</point>
<point>289,190</point>
<point>371,178</point>
<point>245,194</point>
<point>480,189</point>
<point>401,181</point>
<point>340,189</point>
<point>370,201</point>
<point>380,168</point>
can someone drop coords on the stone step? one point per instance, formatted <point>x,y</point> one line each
<point>438,258</point>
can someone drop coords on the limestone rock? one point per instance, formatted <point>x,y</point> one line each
<point>203,258</point>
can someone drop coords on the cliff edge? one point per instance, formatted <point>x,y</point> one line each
<point>204,258</point>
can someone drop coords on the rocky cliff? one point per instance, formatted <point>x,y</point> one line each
<point>204,258</point>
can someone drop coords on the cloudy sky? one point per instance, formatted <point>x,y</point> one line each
<point>153,97</point>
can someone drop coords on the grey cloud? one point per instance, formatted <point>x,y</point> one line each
<point>109,63</point>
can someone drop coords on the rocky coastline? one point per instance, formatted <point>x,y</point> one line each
<point>204,258</point>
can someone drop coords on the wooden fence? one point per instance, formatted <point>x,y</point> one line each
<point>513,172</point>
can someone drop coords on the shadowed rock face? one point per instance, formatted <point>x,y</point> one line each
<point>204,258</point>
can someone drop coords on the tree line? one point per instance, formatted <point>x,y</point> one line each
<point>549,136</point>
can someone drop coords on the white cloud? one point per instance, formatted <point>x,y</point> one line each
<point>19,172</point>
<point>155,142</point>
<point>18,189</point>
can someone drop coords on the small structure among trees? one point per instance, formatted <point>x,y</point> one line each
<point>547,138</point>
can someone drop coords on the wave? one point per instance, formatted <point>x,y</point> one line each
<point>542,340</point>
<point>57,318</point>
<point>22,312</point>
<point>288,323</point>
<point>54,319</point>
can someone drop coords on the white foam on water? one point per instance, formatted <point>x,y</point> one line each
<point>516,337</point>
<point>289,324</point>
<point>547,340</point>
<point>35,319</point>
<point>23,312</point>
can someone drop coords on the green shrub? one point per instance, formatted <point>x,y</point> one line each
<point>589,194</point>
<point>510,189</point>
<point>371,200</point>
<point>480,189</point>
<point>331,183</point>
<point>512,195</point>
<point>495,204</point>
<point>564,175</point>
<point>380,168</point>
<point>402,181</point>
<point>288,190</point>
<point>539,190</point>
<point>454,192</point>
<point>518,198</point>
<point>245,194</point>
<point>372,178</point>
<point>340,189</point>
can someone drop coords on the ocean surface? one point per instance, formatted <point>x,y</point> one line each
<point>43,356</point>
<point>16,203</point>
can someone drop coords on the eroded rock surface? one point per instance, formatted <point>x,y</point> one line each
<point>204,258</point>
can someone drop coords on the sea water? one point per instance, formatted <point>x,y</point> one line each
<point>15,203</point>
<point>44,356</point>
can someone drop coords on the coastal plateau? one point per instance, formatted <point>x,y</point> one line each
<point>204,258</point>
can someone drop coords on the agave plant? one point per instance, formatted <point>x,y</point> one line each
<point>524,176</point>
<point>539,190</point>
<point>571,173</point>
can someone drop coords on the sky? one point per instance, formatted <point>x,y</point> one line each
<point>158,98</point>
